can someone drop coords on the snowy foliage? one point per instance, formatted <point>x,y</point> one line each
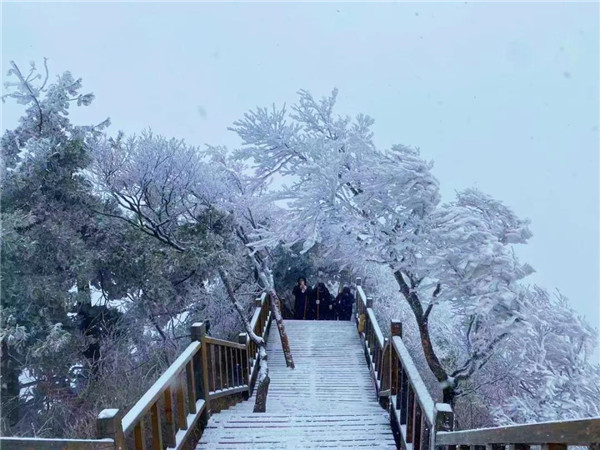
<point>368,205</point>
<point>149,224</point>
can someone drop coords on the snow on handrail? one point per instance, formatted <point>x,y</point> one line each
<point>152,395</point>
<point>223,343</point>
<point>361,295</point>
<point>421,392</point>
<point>376,328</point>
<point>13,442</point>
<point>257,310</point>
<point>570,432</point>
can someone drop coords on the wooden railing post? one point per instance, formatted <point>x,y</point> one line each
<point>109,426</point>
<point>198,333</point>
<point>245,363</point>
<point>369,302</point>
<point>396,328</point>
<point>358,311</point>
<point>444,421</point>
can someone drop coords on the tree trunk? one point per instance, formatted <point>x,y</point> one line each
<point>448,385</point>
<point>10,390</point>
<point>285,343</point>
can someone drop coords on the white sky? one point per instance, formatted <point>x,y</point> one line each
<point>502,96</point>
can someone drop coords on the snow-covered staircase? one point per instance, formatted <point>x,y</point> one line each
<point>328,401</point>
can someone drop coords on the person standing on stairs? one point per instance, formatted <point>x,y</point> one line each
<point>301,294</point>
<point>343,304</point>
<point>322,301</point>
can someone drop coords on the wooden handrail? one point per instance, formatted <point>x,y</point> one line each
<point>261,319</point>
<point>143,405</point>
<point>375,345</point>
<point>376,329</point>
<point>421,424</point>
<point>414,378</point>
<point>562,433</point>
<point>223,343</point>
<point>184,401</point>
<point>415,417</point>
<point>17,443</point>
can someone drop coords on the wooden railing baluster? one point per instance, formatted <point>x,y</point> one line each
<point>416,425</point>
<point>410,400</point>
<point>157,441</point>
<point>213,371</point>
<point>220,364</point>
<point>181,411</point>
<point>232,353</point>
<point>170,418</point>
<point>139,436</point>
<point>191,386</point>
<point>404,398</point>
<point>425,436</point>
<point>554,447</point>
<point>199,334</point>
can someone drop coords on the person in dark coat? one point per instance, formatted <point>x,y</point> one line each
<point>322,302</point>
<point>301,294</point>
<point>343,304</point>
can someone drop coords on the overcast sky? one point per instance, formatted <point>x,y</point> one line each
<point>502,96</point>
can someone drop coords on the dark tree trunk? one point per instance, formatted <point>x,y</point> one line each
<point>285,344</point>
<point>9,397</point>
<point>449,389</point>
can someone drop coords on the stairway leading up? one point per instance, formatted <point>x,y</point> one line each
<point>328,401</point>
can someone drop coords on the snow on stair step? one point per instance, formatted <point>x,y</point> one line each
<point>328,401</point>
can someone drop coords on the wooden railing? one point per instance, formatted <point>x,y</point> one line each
<point>421,424</point>
<point>375,345</point>
<point>415,417</point>
<point>183,398</point>
<point>228,370</point>
<point>550,435</point>
<point>261,319</point>
<point>178,403</point>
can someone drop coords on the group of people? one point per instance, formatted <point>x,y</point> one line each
<point>318,304</point>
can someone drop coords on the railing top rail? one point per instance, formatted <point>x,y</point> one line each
<point>361,295</point>
<point>376,328</point>
<point>256,315</point>
<point>263,297</point>
<point>224,343</point>
<point>421,392</point>
<point>166,379</point>
<point>11,442</point>
<point>571,432</point>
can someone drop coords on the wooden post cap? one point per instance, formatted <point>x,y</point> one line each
<point>197,331</point>
<point>396,328</point>
<point>369,302</point>
<point>358,281</point>
<point>243,338</point>
<point>109,425</point>
<point>444,417</point>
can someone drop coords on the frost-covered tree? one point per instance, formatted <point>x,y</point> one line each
<point>551,375</point>
<point>193,203</point>
<point>92,310</point>
<point>47,225</point>
<point>364,204</point>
